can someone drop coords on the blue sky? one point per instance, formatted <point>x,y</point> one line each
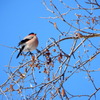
<point>20,17</point>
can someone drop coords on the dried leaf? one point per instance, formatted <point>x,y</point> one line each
<point>60,57</point>
<point>11,87</point>
<point>33,59</point>
<point>63,93</point>
<point>38,66</point>
<point>55,25</point>
<point>57,90</point>
<point>93,20</point>
<point>78,15</point>
<point>48,79</point>
<point>31,65</point>
<point>88,22</point>
<point>45,71</point>
<point>54,50</point>
<point>35,65</point>
<point>48,53</point>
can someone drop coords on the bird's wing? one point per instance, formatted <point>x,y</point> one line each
<point>27,38</point>
<point>23,41</point>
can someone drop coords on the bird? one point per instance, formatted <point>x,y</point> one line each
<point>28,44</point>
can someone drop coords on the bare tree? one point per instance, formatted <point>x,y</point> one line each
<point>68,67</point>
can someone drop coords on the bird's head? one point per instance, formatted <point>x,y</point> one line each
<point>32,34</point>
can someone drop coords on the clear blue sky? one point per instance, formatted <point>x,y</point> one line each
<point>20,17</point>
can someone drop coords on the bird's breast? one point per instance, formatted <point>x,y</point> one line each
<point>31,45</point>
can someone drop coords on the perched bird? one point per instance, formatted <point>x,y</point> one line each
<point>28,44</point>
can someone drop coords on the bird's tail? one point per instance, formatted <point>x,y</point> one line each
<point>20,51</point>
